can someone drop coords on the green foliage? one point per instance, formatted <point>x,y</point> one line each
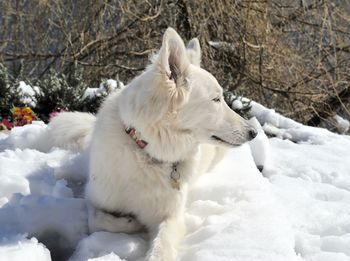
<point>57,91</point>
<point>9,96</point>
<point>65,91</point>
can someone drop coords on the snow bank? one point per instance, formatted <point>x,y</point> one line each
<point>37,192</point>
<point>19,248</point>
<point>284,128</point>
<point>312,182</point>
<point>300,211</point>
<point>36,173</point>
<point>32,136</point>
<point>232,215</point>
<point>59,220</point>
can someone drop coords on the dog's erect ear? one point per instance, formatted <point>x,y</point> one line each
<point>172,57</point>
<point>194,52</point>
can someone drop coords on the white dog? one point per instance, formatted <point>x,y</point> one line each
<point>146,145</point>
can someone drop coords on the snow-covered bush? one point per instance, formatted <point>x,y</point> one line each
<point>59,91</point>
<point>71,92</point>
<point>93,97</point>
<point>53,93</point>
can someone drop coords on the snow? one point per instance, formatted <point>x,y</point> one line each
<point>295,208</point>
<point>236,105</point>
<point>100,244</point>
<point>342,124</point>
<point>18,247</point>
<point>221,44</point>
<point>27,93</point>
<point>260,147</point>
<point>109,86</point>
<point>29,136</point>
<point>236,216</point>
<point>46,217</point>
<point>313,184</point>
<point>92,92</point>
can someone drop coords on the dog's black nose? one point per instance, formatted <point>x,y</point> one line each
<point>252,133</point>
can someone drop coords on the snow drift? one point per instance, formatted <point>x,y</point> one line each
<point>296,208</point>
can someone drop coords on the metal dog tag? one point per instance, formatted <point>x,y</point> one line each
<point>175,178</point>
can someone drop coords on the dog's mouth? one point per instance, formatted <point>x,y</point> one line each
<point>216,138</point>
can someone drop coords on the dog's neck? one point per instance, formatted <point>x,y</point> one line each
<point>162,147</point>
<point>175,176</point>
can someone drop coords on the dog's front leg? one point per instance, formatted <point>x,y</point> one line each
<point>101,221</point>
<point>166,239</point>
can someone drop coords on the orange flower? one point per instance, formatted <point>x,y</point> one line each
<point>16,111</point>
<point>28,118</point>
<point>27,111</point>
<point>22,116</point>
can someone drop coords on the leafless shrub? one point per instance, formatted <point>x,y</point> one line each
<point>290,55</point>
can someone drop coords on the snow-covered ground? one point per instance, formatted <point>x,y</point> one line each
<point>296,208</point>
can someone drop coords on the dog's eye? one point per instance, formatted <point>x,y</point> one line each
<point>217,99</point>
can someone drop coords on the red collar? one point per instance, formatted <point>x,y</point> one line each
<point>135,135</point>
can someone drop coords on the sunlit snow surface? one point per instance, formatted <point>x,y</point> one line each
<point>297,208</point>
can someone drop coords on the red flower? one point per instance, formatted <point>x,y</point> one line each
<point>6,124</point>
<point>56,112</point>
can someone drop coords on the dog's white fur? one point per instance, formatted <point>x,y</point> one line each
<point>177,107</point>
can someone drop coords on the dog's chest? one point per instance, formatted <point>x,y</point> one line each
<point>168,176</point>
<point>130,181</point>
<point>162,187</point>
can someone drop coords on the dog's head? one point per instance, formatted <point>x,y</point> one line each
<point>198,97</point>
<point>176,94</point>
